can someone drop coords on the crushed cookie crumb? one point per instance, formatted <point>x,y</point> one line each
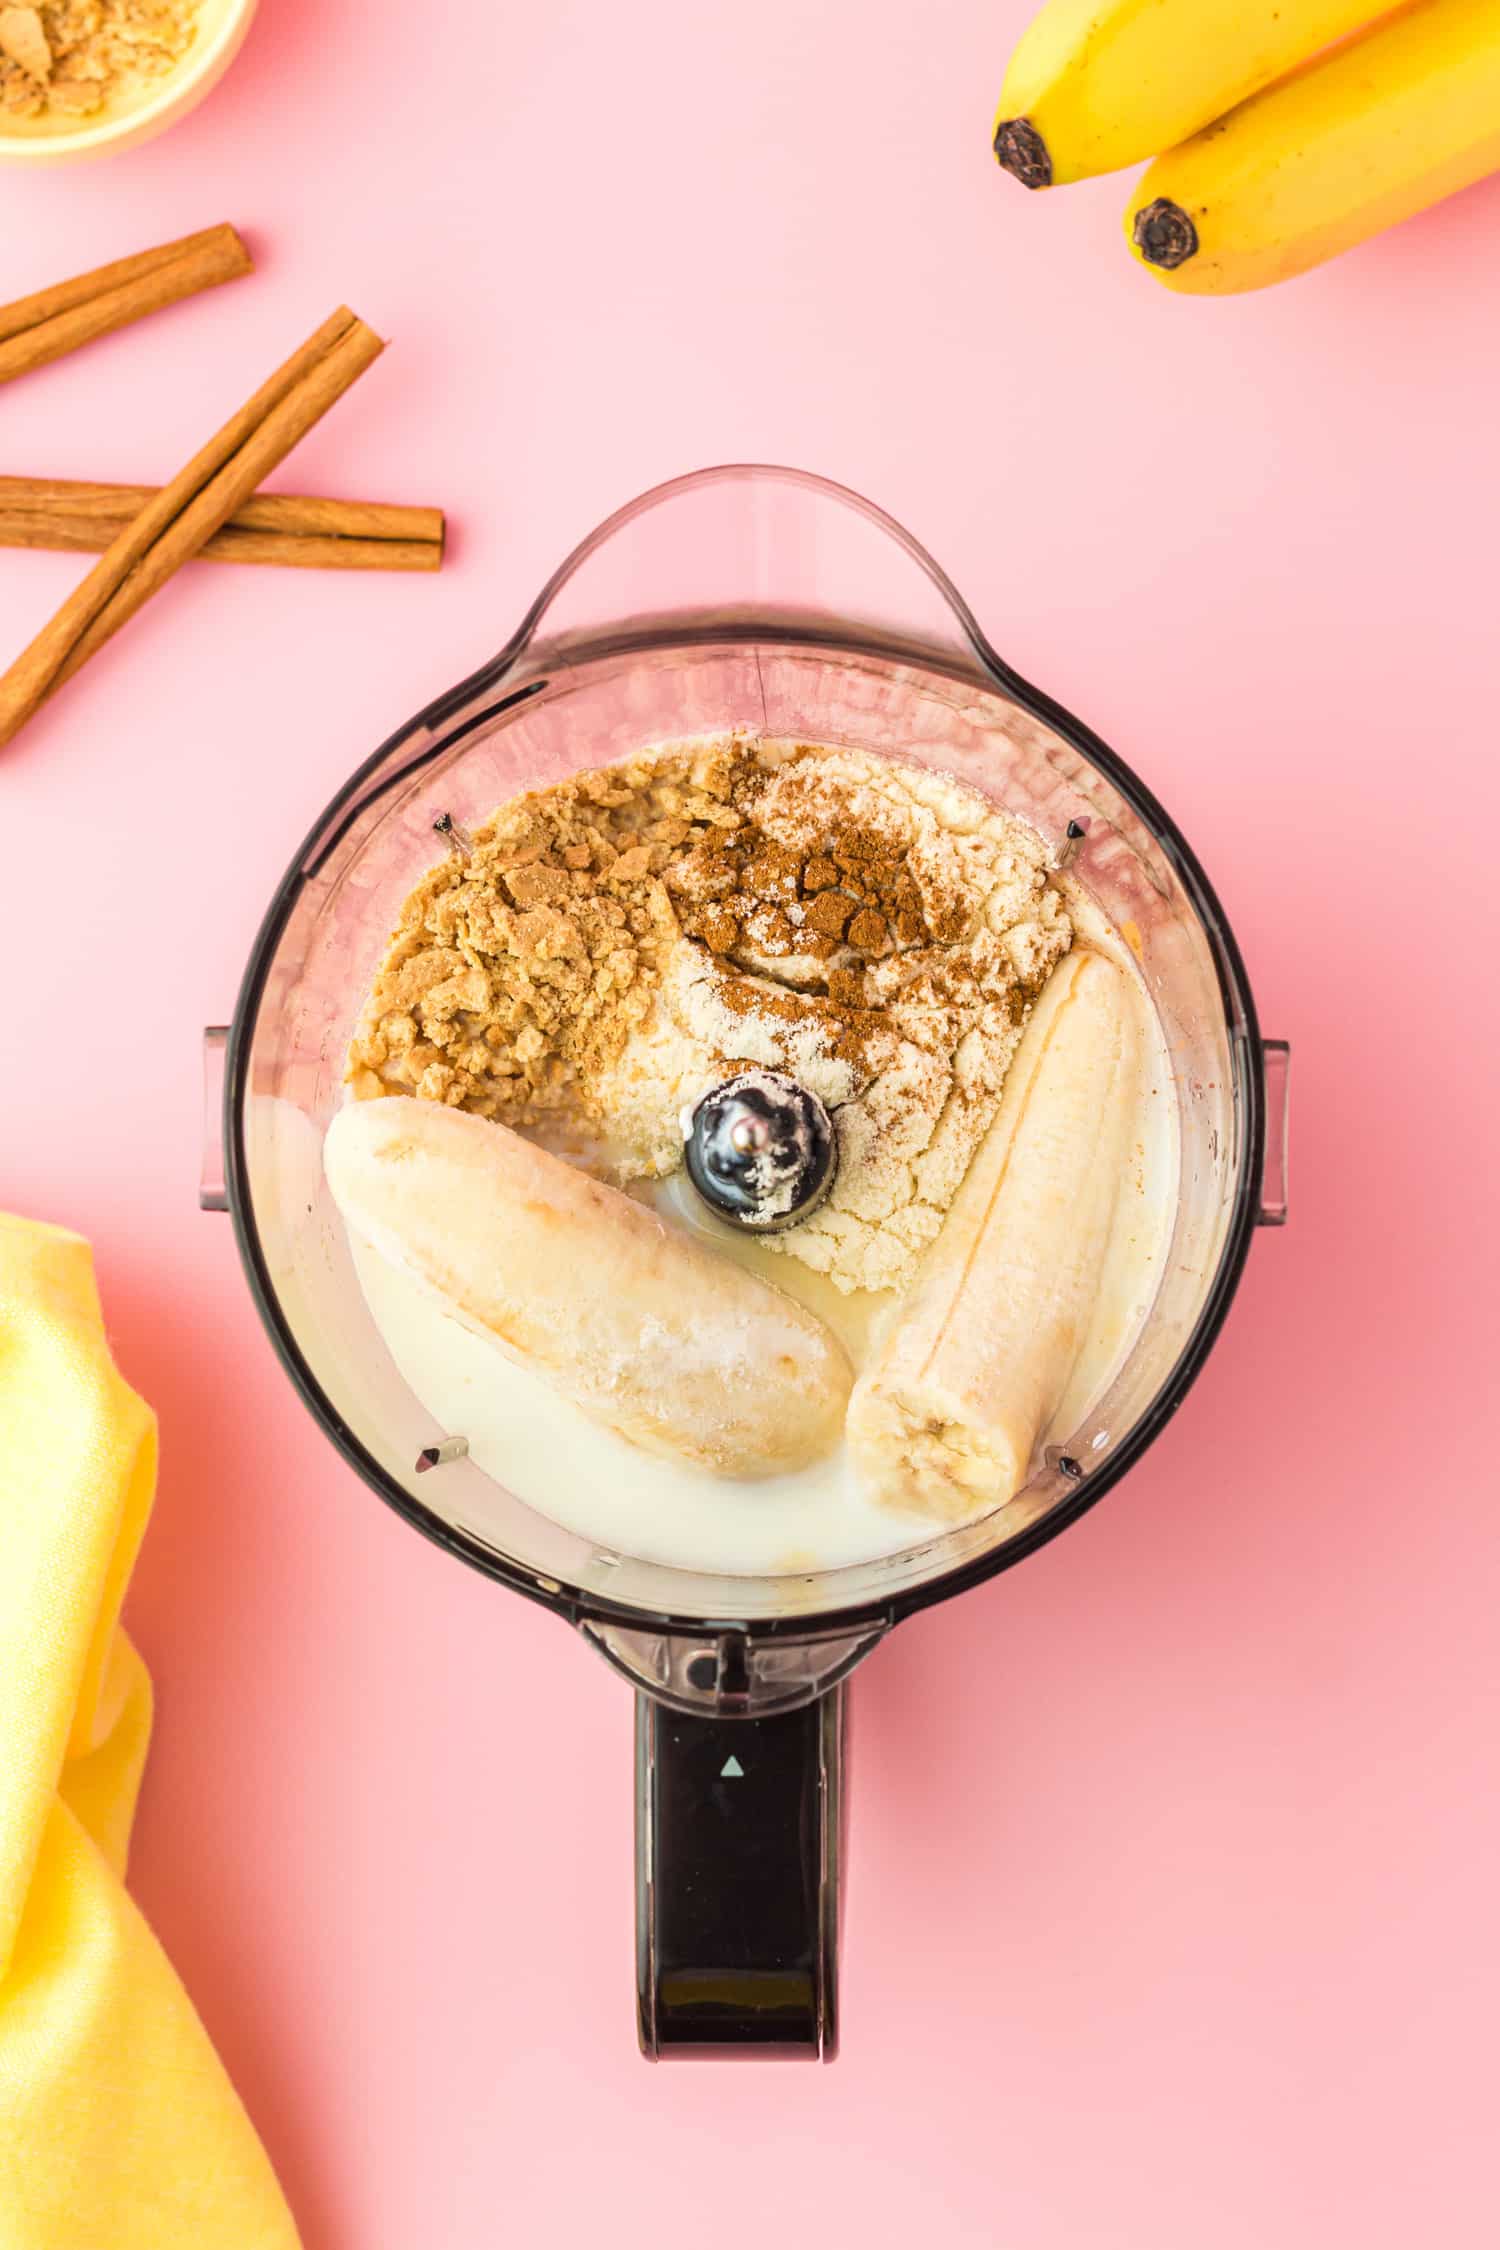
<point>625,939</point>
<point>75,57</point>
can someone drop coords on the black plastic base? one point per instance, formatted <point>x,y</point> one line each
<point>738,1851</point>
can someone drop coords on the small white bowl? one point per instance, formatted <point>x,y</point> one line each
<point>222,25</point>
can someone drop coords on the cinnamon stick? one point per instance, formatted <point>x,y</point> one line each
<point>41,327</point>
<point>185,514</point>
<point>294,530</point>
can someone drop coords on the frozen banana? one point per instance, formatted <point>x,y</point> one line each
<point>948,1414</point>
<point>678,1350</point>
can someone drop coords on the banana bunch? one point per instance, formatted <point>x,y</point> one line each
<point>1293,129</point>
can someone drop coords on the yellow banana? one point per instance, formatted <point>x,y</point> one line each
<point>1382,127</point>
<point>1096,84</point>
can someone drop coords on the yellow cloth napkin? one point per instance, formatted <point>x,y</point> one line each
<point>118,2127</point>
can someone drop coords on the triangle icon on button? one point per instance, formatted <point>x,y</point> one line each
<point>731,1770</point>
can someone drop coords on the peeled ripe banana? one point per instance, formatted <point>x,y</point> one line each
<point>948,1415</point>
<point>1096,84</point>
<point>1379,129</point>
<point>678,1350</point>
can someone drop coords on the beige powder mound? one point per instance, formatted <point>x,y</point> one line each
<point>614,946</point>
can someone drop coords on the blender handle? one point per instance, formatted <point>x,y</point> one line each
<point>739,1854</point>
<point>746,539</point>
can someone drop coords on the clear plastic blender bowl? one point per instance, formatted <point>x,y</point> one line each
<point>768,600</point>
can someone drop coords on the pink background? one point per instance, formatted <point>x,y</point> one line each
<point>1175,1852</point>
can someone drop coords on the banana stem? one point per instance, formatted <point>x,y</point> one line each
<point>1023,153</point>
<point>1164,234</point>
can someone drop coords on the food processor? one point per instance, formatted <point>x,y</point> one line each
<point>772,601</point>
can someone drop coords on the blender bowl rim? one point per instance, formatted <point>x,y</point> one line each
<point>878,1612</point>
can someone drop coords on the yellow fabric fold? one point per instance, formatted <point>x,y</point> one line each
<point>119,2129</point>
